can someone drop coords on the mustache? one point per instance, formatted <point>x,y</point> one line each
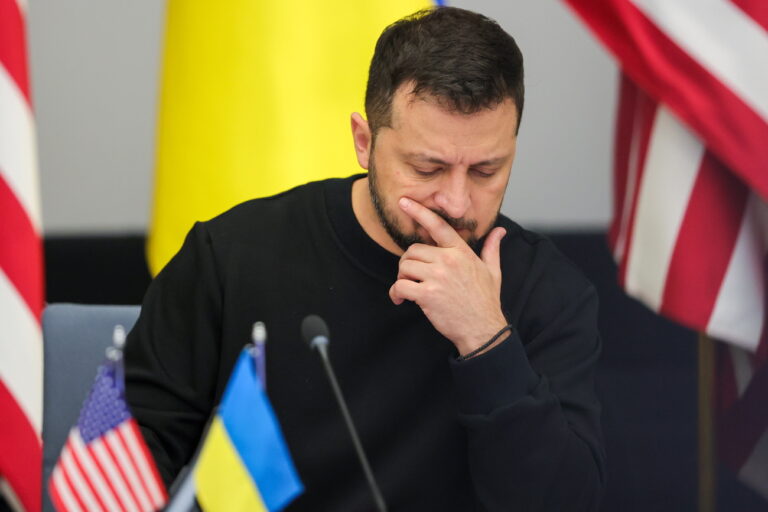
<point>462,223</point>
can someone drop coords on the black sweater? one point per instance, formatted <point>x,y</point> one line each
<point>516,428</point>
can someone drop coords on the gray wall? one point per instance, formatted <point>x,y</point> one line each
<point>95,77</point>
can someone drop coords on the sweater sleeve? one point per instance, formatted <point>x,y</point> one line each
<point>171,354</point>
<point>532,417</point>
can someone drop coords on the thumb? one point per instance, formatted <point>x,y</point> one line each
<point>491,249</point>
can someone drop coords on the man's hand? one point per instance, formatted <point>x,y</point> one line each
<point>457,291</point>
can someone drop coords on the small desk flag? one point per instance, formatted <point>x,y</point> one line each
<point>105,464</point>
<point>244,464</point>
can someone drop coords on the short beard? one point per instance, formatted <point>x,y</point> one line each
<point>392,224</point>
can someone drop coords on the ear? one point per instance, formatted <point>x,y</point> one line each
<point>361,134</point>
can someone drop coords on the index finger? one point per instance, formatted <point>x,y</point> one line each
<point>440,231</point>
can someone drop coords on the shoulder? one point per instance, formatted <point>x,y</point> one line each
<point>272,219</point>
<point>540,282</point>
<point>250,227</point>
<point>265,210</point>
<point>537,255</point>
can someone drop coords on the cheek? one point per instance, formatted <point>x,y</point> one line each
<point>494,192</point>
<point>404,185</point>
<point>420,193</point>
<point>487,201</point>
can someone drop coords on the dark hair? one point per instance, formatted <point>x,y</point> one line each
<point>462,58</point>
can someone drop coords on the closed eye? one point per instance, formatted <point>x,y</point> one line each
<point>482,173</point>
<point>425,171</point>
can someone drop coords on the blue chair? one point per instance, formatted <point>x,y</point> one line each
<point>75,338</point>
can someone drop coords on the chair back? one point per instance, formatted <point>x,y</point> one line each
<point>75,339</point>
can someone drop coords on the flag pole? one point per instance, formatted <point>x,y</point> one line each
<point>707,493</point>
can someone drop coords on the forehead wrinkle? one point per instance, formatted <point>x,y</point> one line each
<point>406,99</point>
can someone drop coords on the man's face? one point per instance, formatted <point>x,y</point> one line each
<point>454,164</point>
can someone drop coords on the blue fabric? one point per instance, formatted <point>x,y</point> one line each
<point>105,408</point>
<point>252,426</point>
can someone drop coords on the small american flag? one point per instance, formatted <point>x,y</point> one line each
<point>105,464</point>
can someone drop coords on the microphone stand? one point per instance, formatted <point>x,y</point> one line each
<point>321,343</point>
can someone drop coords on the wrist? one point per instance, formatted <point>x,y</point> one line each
<point>487,343</point>
<point>479,332</point>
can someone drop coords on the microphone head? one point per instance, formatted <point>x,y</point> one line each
<point>313,327</point>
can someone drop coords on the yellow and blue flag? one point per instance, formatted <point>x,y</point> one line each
<point>244,464</point>
<point>255,98</point>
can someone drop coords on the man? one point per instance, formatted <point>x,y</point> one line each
<point>465,345</point>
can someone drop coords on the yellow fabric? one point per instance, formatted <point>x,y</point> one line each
<point>222,481</point>
<point>255,98</point>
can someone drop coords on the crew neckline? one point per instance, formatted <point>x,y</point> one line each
<point>367,254</point>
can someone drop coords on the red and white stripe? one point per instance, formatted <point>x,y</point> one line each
<point>689,236</point>
<point>705,61</point>
<point>21,270</point>
<point>690,226</point>
<point>112,473</point>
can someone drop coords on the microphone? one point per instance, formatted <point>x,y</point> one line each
<point>315,333</point>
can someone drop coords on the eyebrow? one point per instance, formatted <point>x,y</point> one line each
<point>432,160</point>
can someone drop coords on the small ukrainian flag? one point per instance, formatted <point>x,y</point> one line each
<point>244,464</point>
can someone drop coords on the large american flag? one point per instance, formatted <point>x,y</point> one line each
<point>690,223</point>
<point>105,464</point>
<point>21,272</point>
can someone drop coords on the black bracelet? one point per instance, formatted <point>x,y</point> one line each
<point>484,345</point>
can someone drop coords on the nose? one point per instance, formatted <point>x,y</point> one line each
<point>453,195</point>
